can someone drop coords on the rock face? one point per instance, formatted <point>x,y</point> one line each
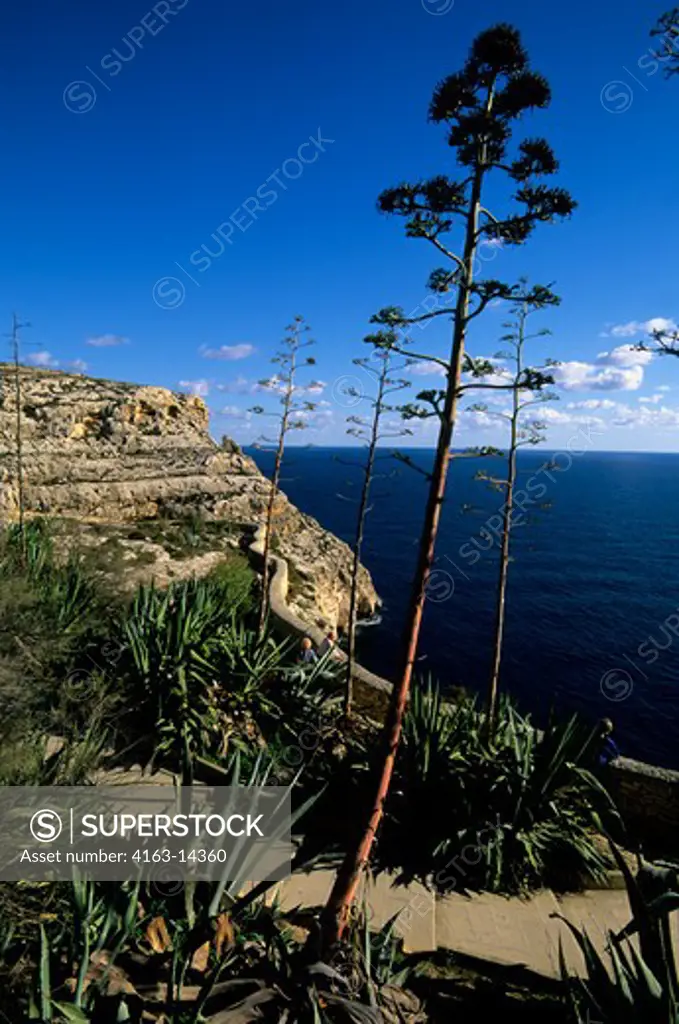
<point>104,451</point>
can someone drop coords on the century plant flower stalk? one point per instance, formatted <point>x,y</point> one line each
<point>372,433</point>
<point>292,417</point>
<point>479,104</point>
<point>527,385</point>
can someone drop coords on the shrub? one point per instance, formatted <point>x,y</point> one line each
<point>626,985</point>
<point>190,663</point>
<point>95,952</point>
<point>505,813</point>
<point>52,617</point>
<point>169,641</point>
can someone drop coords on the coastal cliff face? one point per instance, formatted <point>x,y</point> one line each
<point>104,452</point>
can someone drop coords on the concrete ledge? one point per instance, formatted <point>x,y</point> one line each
<point>648,797</point>
<point>288,621</point>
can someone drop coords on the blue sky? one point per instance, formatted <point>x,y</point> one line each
<point>133,131</point>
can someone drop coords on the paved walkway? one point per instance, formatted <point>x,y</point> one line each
<point>511,932</point>
<point>505,931</point>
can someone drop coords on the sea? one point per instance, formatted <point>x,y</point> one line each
<point>592,620</point>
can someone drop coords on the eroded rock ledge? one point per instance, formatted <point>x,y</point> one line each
<point>104,451</point>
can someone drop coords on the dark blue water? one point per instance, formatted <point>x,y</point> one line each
<point>593,595</point>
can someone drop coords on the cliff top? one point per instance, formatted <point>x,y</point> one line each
<point>98,451</point>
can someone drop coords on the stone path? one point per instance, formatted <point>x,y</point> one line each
<point>506,931</point>
<point>494,928</point>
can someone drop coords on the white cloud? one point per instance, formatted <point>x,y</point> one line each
<point>315,419</point>
<point>645,416</point>
<point>272,384</point>
<point>558,418</point>
<point>228,352</point>
<point>277,385</point>
<point>625,356</point>
<point>239,386</point>
<point>499,379</point>
<point>107,340</point>
<point>234,412</point>
<point>636,327</point>
<point>47,361</point>
<point>196,387</point>
<point>664,387</point>
<point>42,359</point>
<point>480,419</point>
<point>77,365</point>
<point>546,413</point>
<point>550,415</point>
<point>576,376</point>
<point>426,368</point>
<point>621,369</point>
<point>593,403</point>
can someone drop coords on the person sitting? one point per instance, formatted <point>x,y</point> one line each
<point>609,749</point>
<point>307,654</point>
<point>329,645</point>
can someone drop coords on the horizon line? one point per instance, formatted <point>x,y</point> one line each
<point>419,448</point>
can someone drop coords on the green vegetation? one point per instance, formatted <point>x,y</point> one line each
<point>289,360</point>
<point>51,627</point>
<point>190,678</point>
<point>181,679</point>
<point>466,813</point>
<point>505,813</point>
<point>631,984</point>
<point>98,947</point>
<point>185,536</point>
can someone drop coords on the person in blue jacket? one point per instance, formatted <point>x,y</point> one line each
<point>609,749</point>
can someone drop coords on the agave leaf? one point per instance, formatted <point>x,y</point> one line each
<point>596,969</point>
<point>621,979</point>
<point>44,976</point>
<point>225,935</point>
<point>72,1014</point>
<point>324,970</point>
<point>357,1013</point>
<point>643,971</point>
<point>249,1009</point>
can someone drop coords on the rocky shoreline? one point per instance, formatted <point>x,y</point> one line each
<point>102,451</point>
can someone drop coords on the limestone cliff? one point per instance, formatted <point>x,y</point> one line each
<point>101,451</point>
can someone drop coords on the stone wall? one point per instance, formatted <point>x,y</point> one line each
<point>290,622</point>
<point>648,798</point>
